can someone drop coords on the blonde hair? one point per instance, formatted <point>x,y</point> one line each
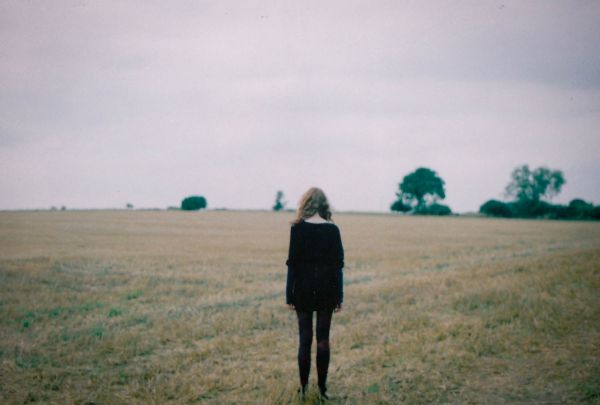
<point>313,202</point>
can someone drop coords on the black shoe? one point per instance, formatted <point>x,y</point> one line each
<point>323,394</point>
<point>302,391</point>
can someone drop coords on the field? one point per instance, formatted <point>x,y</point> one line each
<point>186,307</point>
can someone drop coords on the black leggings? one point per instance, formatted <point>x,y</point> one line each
<point>305,326</point>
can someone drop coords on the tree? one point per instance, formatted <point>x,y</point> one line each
<point>419,186</point>
<point>528,186</point>
<point>193,203</point>
<point>279,203</point>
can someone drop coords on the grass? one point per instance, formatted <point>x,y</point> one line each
<point>179,307</point>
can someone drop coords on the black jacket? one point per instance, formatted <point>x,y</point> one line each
<point>315,262</point>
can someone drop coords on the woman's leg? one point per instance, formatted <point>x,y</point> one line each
<point>305,341</point>
<point>323,326</point>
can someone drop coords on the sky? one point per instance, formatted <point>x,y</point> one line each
<point>104,103</point>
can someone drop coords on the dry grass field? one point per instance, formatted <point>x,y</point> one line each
<point>104,307</point>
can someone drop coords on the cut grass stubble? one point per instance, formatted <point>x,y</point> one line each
<point>183,307</point>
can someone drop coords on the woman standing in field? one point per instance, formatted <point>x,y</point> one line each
<point>314,280</point>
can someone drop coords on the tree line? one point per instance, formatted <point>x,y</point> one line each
<point>421,193</point>
<point>529,192</point>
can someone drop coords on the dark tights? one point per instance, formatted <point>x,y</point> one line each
<point>305,326</point>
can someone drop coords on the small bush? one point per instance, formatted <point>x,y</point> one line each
<point>193,203</point>
<point>532,209</point>
<point>559,212</point>
<point>495,208</point>
<point>400,206</point>
<point>434,209</point>
<point>578,208</point>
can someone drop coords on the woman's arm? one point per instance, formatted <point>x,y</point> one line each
<point>289,286</point>
<point>292,251</point>
<point>340,286</point>
<point>339,250</point>
<point>339,256</point>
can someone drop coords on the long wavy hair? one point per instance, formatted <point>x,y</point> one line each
<point>313,202</point>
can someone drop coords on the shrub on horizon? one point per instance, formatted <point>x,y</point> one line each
<point>193,203</point>
<point>495,208</point>
<point>400,206</point>
<point>579,208</point>
<point>434,209</point>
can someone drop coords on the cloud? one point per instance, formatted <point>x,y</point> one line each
<point>149,102</point>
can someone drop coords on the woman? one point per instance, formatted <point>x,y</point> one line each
<point>314,280</point>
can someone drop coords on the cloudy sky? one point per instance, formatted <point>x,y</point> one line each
<point>104,103</point>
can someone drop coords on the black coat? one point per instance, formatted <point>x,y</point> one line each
<point>315,262</point>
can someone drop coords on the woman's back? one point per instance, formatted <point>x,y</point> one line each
<point>315,243</point>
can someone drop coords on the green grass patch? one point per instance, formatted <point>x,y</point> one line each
<point>88,306</point>
<point>97,331</point>
<point>133,295</point>
<point>115,312</point>
<point>590,390</point>
<point>55,312</point>
<point>373,388</point>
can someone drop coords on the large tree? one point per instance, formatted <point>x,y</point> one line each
<point>419,186</point>
<point>529,186</point>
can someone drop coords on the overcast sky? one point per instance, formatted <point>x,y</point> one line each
<point>104,103</point>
